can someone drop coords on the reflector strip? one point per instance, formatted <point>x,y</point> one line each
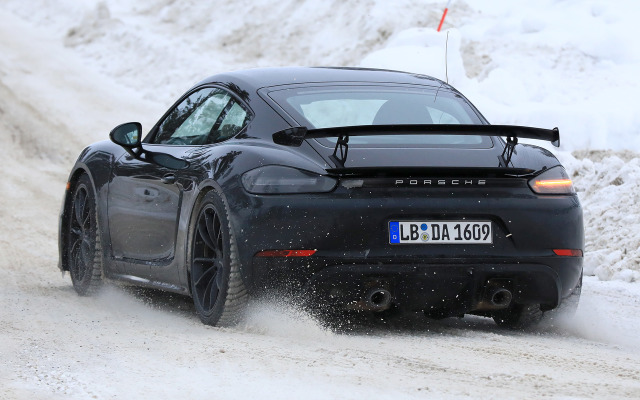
<point>286,253</point>
<point>568,252</point>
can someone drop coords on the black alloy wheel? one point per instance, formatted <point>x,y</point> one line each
<point>216,285</point>
<point>83,245</point>
<point>208,259</point>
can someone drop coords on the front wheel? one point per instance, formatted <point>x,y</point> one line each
<point>217,288</point>
<point>83,240</point>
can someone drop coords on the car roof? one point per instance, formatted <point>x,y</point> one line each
<point>255,79</point>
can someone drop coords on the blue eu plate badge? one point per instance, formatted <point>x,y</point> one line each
<point>394,232</point>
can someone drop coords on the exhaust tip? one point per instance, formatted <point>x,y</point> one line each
<point>501,297</point>
<point>379,298</point>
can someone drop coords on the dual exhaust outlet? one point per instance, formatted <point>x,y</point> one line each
<point>497,296</point>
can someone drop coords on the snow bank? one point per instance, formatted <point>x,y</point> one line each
<point>568,64</point>
<point>608,184</point>
<point>423,50</point>
<point>162,47</point>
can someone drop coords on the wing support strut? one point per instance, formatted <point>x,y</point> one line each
<point>342,145</point>
<point>508,149</point>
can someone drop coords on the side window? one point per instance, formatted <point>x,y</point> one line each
<point>232,122</point>
<point>193,121</point>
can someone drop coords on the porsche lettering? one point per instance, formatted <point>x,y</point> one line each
<point>440,182</point>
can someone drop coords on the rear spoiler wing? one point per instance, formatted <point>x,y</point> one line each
<point>295,136</point>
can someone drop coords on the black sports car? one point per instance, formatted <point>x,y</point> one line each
<point>367,191</point>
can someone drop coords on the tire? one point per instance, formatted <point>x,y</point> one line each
<point>218,292</point>
<point>519,316</point>
<point>523,316</point>
<point>84,252</point>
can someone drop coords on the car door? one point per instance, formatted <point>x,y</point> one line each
<point>144,199</point>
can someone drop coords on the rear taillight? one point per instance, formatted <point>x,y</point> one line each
<point>277,179</point>
<point>552,181</point>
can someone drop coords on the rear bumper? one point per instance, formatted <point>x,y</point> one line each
<point>449,287</point>
<point>350,231</point>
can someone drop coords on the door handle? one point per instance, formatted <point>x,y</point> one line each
<point>169,179</point>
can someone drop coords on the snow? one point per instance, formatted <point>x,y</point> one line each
<point>70,71</point>
<point>572,64</point>
<point>608,184</point>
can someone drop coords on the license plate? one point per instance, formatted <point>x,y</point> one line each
<point>440,232</point>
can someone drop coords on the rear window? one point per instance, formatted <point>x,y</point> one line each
<point>328,107</point>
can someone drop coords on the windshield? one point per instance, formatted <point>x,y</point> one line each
<point>328,107</point>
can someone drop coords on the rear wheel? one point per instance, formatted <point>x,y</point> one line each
<point>83,249</point>
<point>218,292</point>
<point>519,316</point>
<point>522,316</point>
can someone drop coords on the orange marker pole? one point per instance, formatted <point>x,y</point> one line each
<point>444,15</point>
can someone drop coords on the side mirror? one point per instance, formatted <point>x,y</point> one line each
<point>127,135</point>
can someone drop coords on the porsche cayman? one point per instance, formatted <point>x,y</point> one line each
<point>367,191</point>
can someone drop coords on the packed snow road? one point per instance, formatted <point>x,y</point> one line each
<point>145,344</point>
<point>56,345</point>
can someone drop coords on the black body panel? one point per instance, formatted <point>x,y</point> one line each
<point>145,210</point>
